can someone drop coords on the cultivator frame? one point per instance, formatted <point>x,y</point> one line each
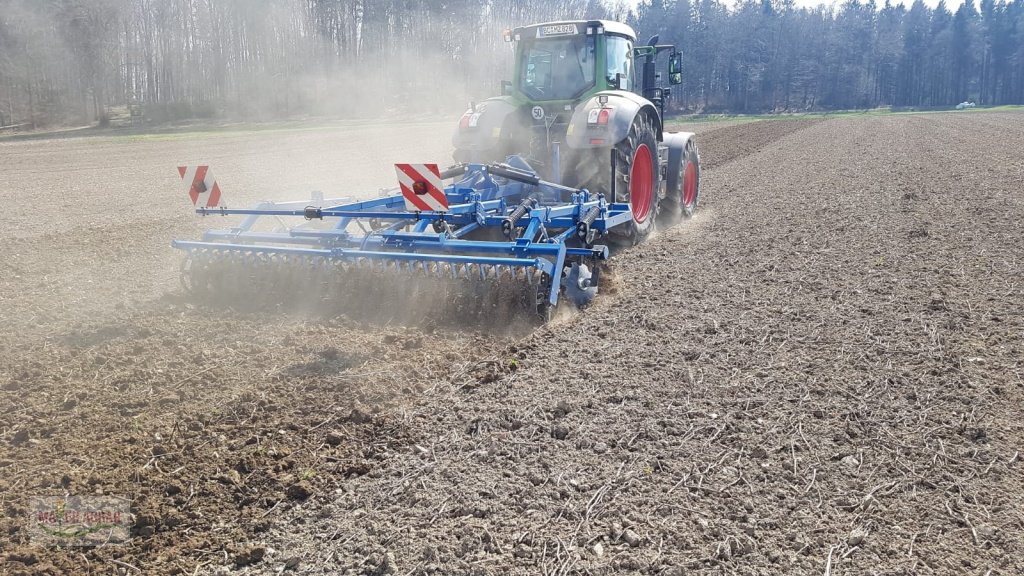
<point>502,223</point>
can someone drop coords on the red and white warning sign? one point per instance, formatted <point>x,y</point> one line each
<point>202,186</point>
<point>421,187</point>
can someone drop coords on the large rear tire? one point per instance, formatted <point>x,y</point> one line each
<point>681,202</point>
<point>638,179</point>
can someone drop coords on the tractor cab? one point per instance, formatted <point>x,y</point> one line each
<point>568,60</point>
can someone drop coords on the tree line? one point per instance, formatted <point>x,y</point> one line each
<point>77,61</point>
<point>768,55</point>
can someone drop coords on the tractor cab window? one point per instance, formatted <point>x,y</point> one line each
<point>557,68</point>
<point>620,61</point>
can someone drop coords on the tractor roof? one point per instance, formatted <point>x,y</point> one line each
<point>610,27</point>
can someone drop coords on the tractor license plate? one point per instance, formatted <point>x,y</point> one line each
<point>558,30</point>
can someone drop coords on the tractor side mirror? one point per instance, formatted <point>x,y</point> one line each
<point>675,68</point>
<point>620,81</point>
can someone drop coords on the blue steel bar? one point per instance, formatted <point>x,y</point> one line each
<point>192,245</point>
<point>356,212</point>
<point>279,237</point>
<point>342,254</point>
<point>436,243</point>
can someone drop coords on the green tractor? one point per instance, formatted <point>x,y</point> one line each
<point>581,113</point>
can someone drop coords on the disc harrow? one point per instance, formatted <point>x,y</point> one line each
<point>501,244</point>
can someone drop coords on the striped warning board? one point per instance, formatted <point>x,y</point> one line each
<point>421,187</point>
<point>202,186</point>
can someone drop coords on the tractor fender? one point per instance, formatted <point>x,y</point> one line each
<point>676,143</point>
<point>624,108</point>
<point>485,125</point>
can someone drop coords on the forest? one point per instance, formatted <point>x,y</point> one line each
<point>76,62</point>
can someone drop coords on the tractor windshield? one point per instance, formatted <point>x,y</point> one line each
<point>557,68</point>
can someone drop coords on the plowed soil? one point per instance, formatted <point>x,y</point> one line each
<point>820,373</point>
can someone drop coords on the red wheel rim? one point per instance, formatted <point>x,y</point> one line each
<point>641,183</point>
<point>690,184</point>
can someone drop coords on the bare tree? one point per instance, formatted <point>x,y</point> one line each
<point>72,61</point>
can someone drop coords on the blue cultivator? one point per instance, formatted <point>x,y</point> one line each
<point>499,239</point>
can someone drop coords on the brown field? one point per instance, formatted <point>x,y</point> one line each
<point>821,373</point>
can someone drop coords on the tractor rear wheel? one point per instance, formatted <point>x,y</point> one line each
<point>638,179</point>
<point>681,203</point>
